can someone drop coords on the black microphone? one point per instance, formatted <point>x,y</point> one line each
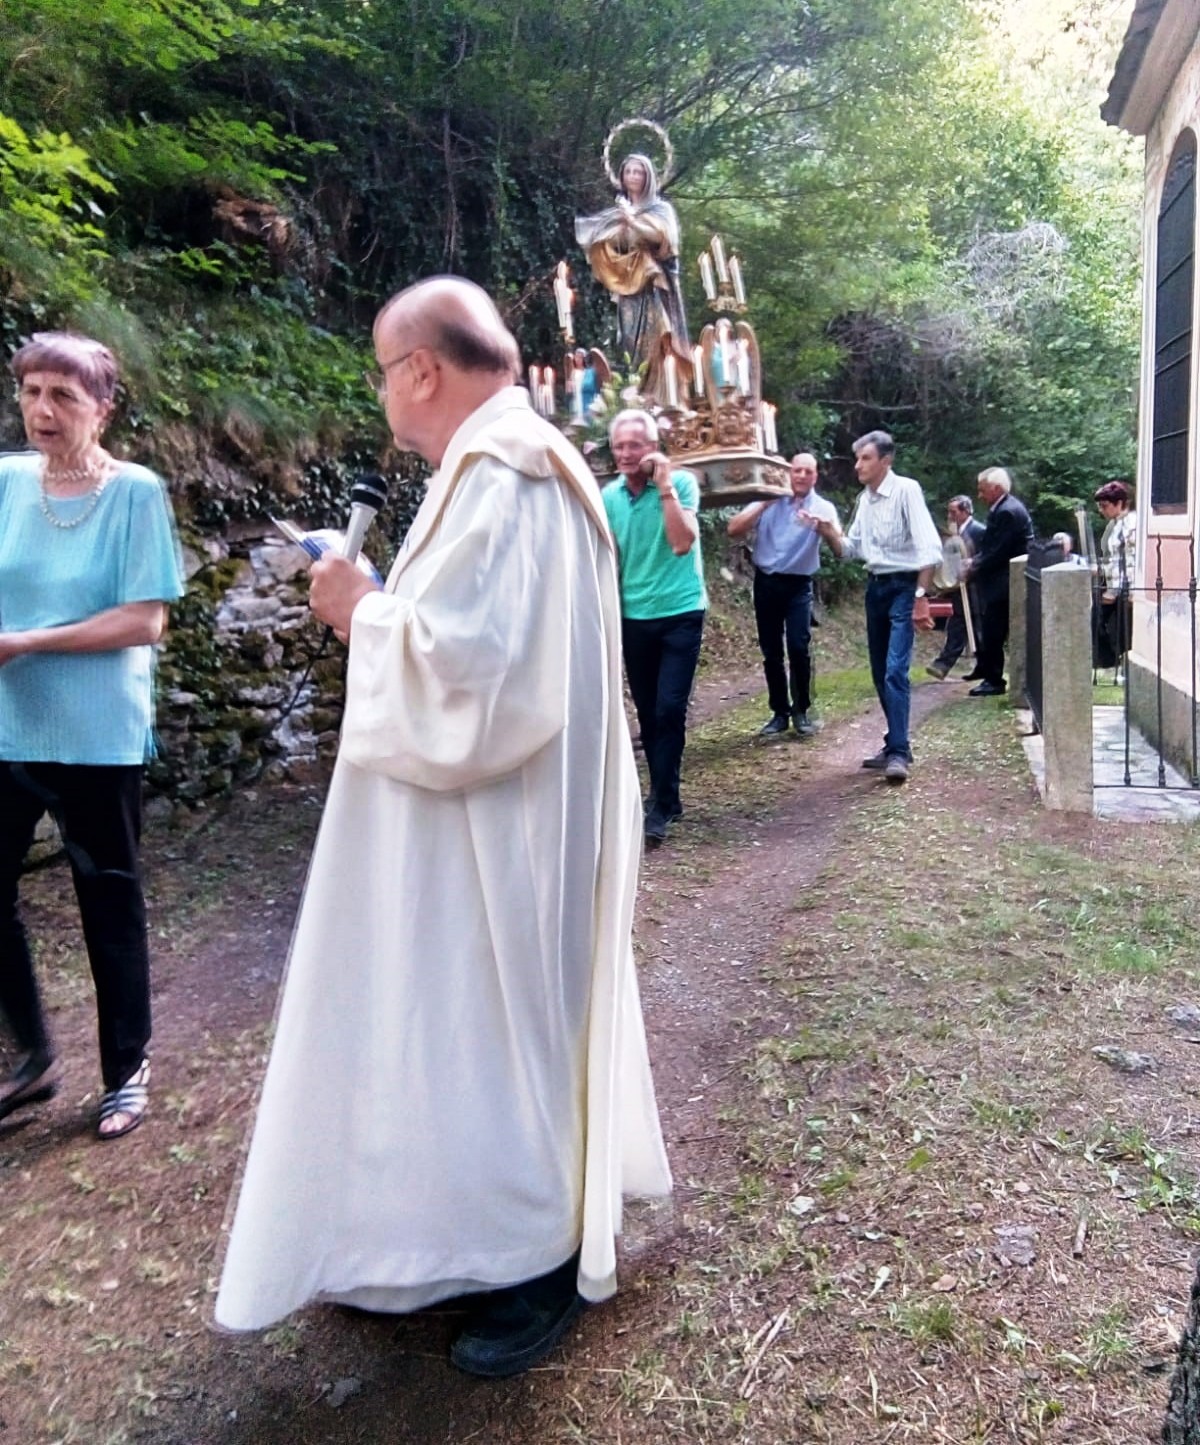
<point>366,497</point>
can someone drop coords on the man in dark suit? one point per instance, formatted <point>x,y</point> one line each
<point>960,516</point>
<point>1008,534</point>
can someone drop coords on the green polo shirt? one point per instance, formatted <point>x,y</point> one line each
<point>654,581</point>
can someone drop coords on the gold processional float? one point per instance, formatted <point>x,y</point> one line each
<point>706,398</point>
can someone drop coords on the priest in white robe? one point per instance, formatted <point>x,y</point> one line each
<point>459,1094</point>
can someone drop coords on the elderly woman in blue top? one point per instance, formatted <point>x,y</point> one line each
<point>88,562</point>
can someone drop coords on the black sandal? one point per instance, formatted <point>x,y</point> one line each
<point>132,1098</point>
<point>34,1080</point>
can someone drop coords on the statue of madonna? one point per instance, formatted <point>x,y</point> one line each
<point>633,250</point>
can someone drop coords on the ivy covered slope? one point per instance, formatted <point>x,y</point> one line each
<point>938,235</point>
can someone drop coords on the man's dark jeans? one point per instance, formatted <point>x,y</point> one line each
<point>890,632</point>
<point>660,661</point>
<point>783,611</point>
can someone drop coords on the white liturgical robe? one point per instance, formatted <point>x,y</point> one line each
<point>459,1091</point>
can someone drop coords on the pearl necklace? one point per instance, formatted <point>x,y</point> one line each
<point>99,476</point>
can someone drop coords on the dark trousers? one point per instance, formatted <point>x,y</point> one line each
<point>993,634</point>
<point>99,815</point>
<point>955,643</point>
<point>660,661</point>
<point>1115,631</point>
<point>890,632</point>
<point>783,611</point>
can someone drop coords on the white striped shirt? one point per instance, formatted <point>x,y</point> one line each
<point>891,530</point>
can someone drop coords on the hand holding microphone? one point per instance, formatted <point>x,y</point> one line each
<point>337,583</point>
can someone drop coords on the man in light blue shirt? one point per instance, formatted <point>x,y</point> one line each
<point>787,555</point>
<point>894,535</point>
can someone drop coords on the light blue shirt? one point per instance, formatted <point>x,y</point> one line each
<point>80,707</point>
<point>784,544</point>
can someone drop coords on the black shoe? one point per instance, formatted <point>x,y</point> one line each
<point>654,829</point>
<point>896,770</point>
<point>878,763</point>
<point>517,1327</point>
<point>34,1080</point>
<point>805,726</point>
<point>973,676</point>
<point>777,726</point>
<point>940,670</point>
<point>988,689</point>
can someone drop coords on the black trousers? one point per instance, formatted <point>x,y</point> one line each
<point>661,654</point>
<point>783,612</point>
<point>956,629</point>
<point>99,815</point>
<point>989,658</point>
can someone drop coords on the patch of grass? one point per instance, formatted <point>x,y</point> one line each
<point>1108,1341</point>
<point>1123,955</point>
<point>926,1322</point>
<point>1006,1118</point>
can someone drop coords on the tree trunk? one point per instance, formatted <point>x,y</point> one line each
<point>1182,1425</point>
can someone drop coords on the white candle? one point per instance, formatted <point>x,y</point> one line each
<point>698,370</point>
<point>562,297</point>
<point>728,350</point>
<point>577,393</point>
<point>735,275</point>
<point>718,251</point>
<point>672,380</point>
<point>706,276</point>
<point>548,376</point>
<point>533,384</point>
<point>743,368</point>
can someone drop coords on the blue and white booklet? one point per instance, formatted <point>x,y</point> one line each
<point>324,539</point>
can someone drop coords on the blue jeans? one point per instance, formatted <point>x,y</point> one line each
<point>783,611</point>
<point>660,661</point>
<point>890,632</point>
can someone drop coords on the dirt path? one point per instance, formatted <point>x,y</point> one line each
<point>108,1257</point>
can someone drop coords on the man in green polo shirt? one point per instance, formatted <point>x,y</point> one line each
<point>652,512</point>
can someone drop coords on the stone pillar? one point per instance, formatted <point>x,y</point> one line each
<point>1016,631</point>
<point>1067,686</point>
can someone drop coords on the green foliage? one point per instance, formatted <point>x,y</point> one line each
<point>934,239</point>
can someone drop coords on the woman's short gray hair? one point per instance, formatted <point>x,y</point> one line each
<point>634,413</point>
<point>90,362</point>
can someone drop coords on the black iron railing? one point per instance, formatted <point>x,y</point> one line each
<point>1041,554</point>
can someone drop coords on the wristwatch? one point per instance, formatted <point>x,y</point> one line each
<point>920,592</point>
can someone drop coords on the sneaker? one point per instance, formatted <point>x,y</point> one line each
<point>805,726</point>
<point>896,770</point>
<point>938,670</point>
<point>776,727</point>
<point>877,762</point>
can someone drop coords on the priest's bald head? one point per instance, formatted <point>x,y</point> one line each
<point>443,351</point>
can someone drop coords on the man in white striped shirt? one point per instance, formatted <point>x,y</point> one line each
<point>894,535</point>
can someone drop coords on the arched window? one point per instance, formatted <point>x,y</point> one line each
<point>1175,270</point>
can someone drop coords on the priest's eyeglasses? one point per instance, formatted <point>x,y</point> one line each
<point>377,380</point>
